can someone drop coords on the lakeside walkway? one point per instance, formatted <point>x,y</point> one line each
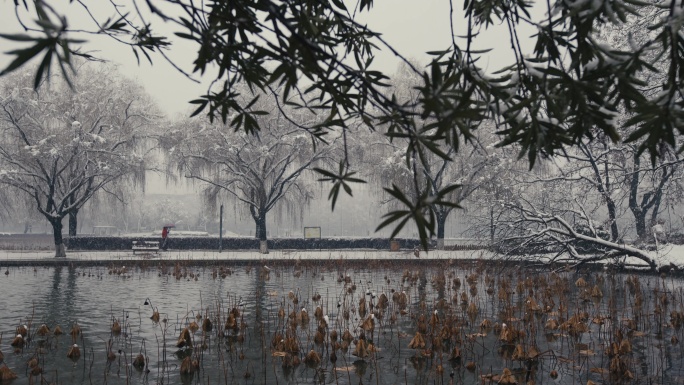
<point>45,257</point>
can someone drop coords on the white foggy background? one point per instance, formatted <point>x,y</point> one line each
<point>412,27</point>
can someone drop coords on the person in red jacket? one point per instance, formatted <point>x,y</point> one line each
<point>165,237</point>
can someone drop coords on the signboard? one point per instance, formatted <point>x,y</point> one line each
<point>312,232</point>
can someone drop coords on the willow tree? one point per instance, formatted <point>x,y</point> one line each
<point>62,143</point>
<point>259,171</point>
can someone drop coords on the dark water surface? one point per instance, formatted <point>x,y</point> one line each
<point>630,334</point>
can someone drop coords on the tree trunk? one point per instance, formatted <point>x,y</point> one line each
<point>260,233</point>
<point>640,223</point>
<point>655,210</point>
<point>60,251</point>
<point>658,197</point>
<point>492,225</point>
<point>73,223</point>
<point>260,228</point>
<point>634,206</point>
<point>612,215</point>
<point>603,185</point>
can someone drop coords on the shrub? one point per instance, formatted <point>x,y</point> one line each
<point>212,243</point>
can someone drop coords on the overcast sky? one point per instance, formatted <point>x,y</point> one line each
<point>412,26</point>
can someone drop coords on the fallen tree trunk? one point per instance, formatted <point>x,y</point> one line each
<point>556,234</point>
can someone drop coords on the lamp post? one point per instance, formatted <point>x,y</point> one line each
<point>221,229</point>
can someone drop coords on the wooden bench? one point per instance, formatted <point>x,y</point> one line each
<point>145,246</point>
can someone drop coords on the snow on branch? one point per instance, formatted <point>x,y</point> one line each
<point>570,234</point>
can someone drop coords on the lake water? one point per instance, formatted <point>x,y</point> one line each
<point>630,333</point>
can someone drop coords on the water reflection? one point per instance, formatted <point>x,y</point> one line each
<point>264,321</point>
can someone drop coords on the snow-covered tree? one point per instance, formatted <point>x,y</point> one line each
<point>580,205</point>
<point>425,174</point>
<point>565,233</point>
<point>618,179</point>
<point>60,144</point>
<point>647,182</point>
<point>17,209</point>
<point>260,170</point>
<point>171,212</point>
<point>649,187</point>
<point>430,172</point>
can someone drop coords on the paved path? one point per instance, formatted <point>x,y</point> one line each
<point>101,257</point>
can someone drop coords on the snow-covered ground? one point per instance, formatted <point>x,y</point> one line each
<point>664,255</point>
<point>243,255</point>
